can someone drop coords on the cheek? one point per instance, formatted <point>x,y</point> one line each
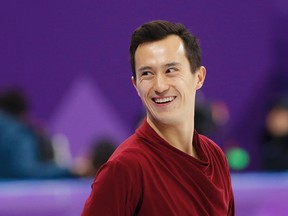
<point>186,85</point>
<point>140,93</point>
<point>142,89</point>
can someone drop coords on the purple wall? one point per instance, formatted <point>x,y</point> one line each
<point>50,48</point>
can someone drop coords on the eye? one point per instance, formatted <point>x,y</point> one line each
<point>146,73</point>
<point>171,70</point>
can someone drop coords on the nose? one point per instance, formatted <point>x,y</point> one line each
<point>160,84</point>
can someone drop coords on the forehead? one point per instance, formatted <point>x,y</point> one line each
<point>168,49</point>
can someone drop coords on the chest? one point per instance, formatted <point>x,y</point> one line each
<point>170,188</point>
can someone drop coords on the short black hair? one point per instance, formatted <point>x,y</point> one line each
<point>13,101</point>
<point>160,29</point>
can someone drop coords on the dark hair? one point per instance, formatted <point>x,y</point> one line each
<point>13,102</point>
<point>160,29</point>
<point>102,150</point>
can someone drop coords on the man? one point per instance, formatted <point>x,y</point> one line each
<point>166,167</point>
<point>25,150</point>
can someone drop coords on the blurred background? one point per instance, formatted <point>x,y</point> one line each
<point>65,67</point>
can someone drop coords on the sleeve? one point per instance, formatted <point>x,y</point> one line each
<point>229,189</point>
<point>115,191</point>
<point>225,169</point>
<point>231,207</point>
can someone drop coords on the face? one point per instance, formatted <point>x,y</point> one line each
<point>164,81</point>
<point>277,122</point>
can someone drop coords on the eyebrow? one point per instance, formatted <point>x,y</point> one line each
<point>165,66</point>
<point>172,64</point>
<point>144,68</point>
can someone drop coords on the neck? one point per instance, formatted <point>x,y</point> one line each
<point>179,136</point>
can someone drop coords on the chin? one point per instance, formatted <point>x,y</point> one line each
<point>167,120</point>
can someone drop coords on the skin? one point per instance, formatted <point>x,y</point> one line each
<point>163,73</point>
<point>277,122</point>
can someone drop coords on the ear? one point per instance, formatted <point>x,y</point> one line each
<point>134,84</point>
<point>200,74</point>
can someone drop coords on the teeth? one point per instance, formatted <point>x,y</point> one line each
<point>164,100</point>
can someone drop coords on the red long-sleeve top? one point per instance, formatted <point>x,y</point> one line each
<point>147,176</point>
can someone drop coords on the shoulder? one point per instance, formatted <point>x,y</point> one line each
<point>127,158</point>
<point>130,150</point>
<point>117,186</point>
<point>13,131</point>
<point>213,151</point>
<point>122,172</point>
<point>216,157</point>
<point>210,145</point>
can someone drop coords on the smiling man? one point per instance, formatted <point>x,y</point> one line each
<point>166,167</point>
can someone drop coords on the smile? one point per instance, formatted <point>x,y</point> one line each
<point>163,100</point>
